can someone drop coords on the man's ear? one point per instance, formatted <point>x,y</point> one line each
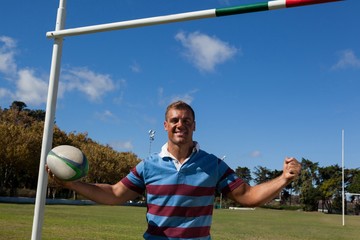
<point>165,125</point>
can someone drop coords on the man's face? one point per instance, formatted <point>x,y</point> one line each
<point>180,126</point>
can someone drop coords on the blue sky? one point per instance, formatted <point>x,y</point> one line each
<point>264,85</point>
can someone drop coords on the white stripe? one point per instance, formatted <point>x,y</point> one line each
<point>278,4</point>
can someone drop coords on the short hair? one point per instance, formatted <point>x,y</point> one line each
<point>180,105</point>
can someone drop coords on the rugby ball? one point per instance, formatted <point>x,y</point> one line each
<point>67,163</point>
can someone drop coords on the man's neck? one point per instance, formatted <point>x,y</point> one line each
<point>180,151</point>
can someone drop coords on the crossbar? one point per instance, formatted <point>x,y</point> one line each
<point>181,17</point>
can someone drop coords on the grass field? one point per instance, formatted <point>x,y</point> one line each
<point>126,223</point>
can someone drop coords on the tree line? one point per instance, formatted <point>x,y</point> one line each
<point>21,131</point>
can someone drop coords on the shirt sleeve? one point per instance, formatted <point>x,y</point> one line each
<point>134,180</point>
<point>228,180</point>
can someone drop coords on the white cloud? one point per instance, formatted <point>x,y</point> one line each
<point>31,89</point>
<point>106,116</point>
<point>187,97</point>
<point>4,93</point>
<point>7,53</point>
<point>205,52</point>
<point>161,96</point>
<point>28,88</point>
<point>135,67</point>
<point>255,154</point>
<point>8,42</point>
<point>92,84</point>
<point>347,59</point>
<point>122,145</point>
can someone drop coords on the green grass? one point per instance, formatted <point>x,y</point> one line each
<point>117,222</point>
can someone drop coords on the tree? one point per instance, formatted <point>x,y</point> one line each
<point>20,141</point>
<point>354,187</point>
<point>330,187</point>
<point>244,173</point>
<point>262,174</point>
<point>18,106</point>
<point>37,115</point>
<point>19,156</point>
<point>305,184</point>
<point>354,181</point>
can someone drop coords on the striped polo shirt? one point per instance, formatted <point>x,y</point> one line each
<point>180,201</point>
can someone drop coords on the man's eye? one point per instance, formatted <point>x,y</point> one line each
<point>183,121</point>
<point>175,120</point>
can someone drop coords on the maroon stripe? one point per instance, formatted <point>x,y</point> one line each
<point>131,186</point>
<point>135,172</point>
<point>232,186</point>
<point>180,189</point>
<point>176,232</point>
<point>172,211</point>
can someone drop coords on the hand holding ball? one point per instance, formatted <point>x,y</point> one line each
<point>67,163</point>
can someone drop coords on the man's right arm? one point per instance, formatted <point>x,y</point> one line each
<point>104,193</point>
<point>101,193</point>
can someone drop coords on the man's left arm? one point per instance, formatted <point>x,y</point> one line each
<point>252,196</point>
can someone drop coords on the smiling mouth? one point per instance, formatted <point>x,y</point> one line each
<point>180,134</point>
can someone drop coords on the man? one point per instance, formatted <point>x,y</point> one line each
<point>181,182</point>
